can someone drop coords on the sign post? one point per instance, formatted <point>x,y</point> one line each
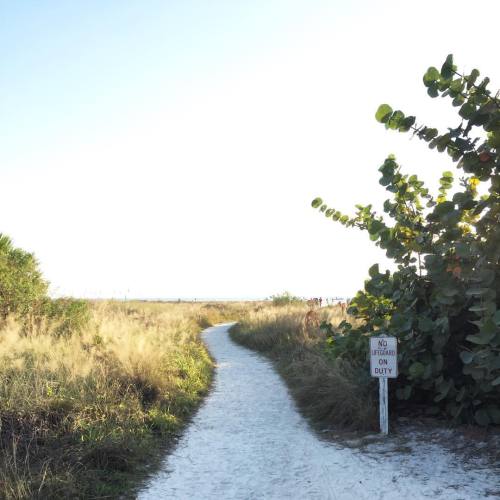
<point>384,365</point>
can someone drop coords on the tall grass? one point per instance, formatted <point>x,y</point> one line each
<point>82,412</point>
<point>331,392</point>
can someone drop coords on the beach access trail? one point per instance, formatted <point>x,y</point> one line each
<point>248,441</point>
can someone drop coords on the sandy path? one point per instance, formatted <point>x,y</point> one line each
<point>249,442</point>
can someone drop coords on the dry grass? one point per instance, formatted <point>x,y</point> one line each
<point>80,413</point>
<point>331,392</point>
<point>83,413</point>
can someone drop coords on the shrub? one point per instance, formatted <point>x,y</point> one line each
<point>69,315</point>
<point>22,287</point>
<point>285,299</point>
<point>443,301</point>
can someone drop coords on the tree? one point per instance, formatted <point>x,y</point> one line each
<point>443,301</point>
<point>21,284</point>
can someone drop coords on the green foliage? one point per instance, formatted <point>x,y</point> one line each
<point>23,293</point>
<point>87,415</point>
<point>71,315</point>
<point>285,299</point>
<point>22,287</point>
<point>443,301</point>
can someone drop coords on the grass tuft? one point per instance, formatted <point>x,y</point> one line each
<point>83,410</point>
<point>330,392</point>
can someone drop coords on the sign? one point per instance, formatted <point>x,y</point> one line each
<point>384,357</point>
<point>383,365</point>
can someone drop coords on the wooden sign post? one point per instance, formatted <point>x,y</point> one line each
<point>384,365</point>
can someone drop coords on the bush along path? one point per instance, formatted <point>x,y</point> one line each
<point>442,302</point>
<point>249,441</point>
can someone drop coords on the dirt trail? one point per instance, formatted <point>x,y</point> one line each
<point>249,442</point>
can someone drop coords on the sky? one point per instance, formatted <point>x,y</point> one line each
<point>168,149</point>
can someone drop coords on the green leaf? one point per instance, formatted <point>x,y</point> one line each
<point>494,139</point>
<point>484,83</point>
<point>448,68</point>
<point>458,100</point>
<point>449,291</point>
<point>395,120</point>
<point>443,299</point>
<point>432,91</point>
<point>375,227</point>
<point>477,373</point>
<point>494,363</point>
<point>444,208</point>
<point>494,414</point>
<point>466,357</point>
<point>467,111</point>
<point>425,324</point>
<point>476,292</point>
<point>442,142</point>
<point>407,124</point>
<point>374,271</point>
<point>431,76</point>
<point>482,418</point>
<point>496,381</point>
<point>383,113</point>
<point>474,74</point>
<point>478,309</point>
<point>317,202</point>
<point>486,276</point>
<point>489,329</point>
<point>477,339</point>
<point>416,369</point>
<point>457,85</point>
<point>430,134</point>
<point>443,388</point>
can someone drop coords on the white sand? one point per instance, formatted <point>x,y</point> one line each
<point>249,442</point>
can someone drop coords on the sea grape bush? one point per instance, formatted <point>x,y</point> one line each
<point>443,301</point>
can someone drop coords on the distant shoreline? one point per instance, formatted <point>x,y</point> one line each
<point>182,299</point>
<point>195,299</point>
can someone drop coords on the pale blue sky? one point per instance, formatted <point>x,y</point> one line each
<point>65,63</point>
<point>171,148</point>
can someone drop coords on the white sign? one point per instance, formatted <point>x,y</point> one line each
<point>384,357</point>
